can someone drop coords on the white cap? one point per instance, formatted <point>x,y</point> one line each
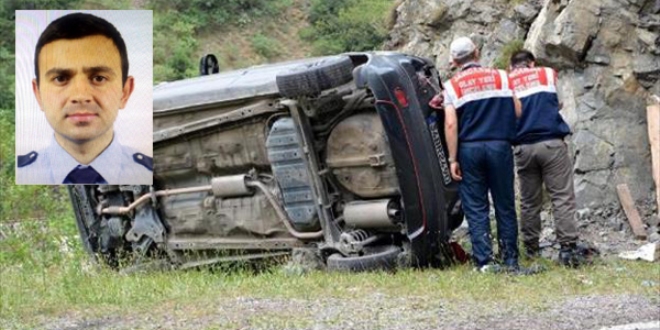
<point>461,47</point>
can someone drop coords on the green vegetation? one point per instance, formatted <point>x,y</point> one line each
<point>347,25</point>
<point>502,61</point>
<point>265,46</point>
<point>213,15</point>
<point>174,43</point>
<point>46,275</point>
<point>178,23</point>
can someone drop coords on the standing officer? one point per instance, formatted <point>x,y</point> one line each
<point>81,68</point>
<point>480,124</point>
<point>542,157</point>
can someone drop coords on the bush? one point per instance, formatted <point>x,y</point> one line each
<point>265,46</point>
<point>347,25</point>
<point>174,45</point>
<point>213,15</point>
<point>502,61</point>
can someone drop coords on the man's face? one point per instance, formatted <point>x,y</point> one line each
<point>80,87</point>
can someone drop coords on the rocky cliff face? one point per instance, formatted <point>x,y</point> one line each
<point>606,51</point>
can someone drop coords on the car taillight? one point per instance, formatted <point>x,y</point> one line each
<point>401,97</point>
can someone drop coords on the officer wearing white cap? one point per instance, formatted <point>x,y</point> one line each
<point>480,124</point>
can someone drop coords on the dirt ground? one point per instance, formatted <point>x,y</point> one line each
<point>589,312</point>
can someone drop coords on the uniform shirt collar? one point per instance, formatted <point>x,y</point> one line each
<point>470,65</point>
<point>108,163</point>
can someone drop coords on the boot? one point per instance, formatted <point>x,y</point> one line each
<point>570,255</point>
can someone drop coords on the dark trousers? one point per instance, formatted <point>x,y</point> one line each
<point>546,162</point>
<point>488,166</point>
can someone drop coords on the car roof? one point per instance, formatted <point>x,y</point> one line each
<point>254,81</point>
<point>233,86</point>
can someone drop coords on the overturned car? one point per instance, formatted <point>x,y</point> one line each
<point>339,156</point>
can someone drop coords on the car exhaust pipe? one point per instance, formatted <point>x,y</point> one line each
<point>384,213</point>
<point>281,214</point>
<point>228,186</point>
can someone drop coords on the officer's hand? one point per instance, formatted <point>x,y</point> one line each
<point>437,102</point>
<point>456,173</point>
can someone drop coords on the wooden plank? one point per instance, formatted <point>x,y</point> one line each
<point>653,120</point>
<point>631,211</point>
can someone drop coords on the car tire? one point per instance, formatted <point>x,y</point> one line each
<point>78,210</point>
<point>382,258</point>
<point>311,79</point>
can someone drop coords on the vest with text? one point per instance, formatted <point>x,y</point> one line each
<point>484,104</point>
<point>537,90</point>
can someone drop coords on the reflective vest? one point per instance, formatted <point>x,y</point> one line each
<point>537,90</point>
<point>484,104</point>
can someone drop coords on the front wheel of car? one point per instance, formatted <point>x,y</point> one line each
<point>374,258</point>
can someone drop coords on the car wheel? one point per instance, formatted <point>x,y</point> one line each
<point>82,211</point>
<point>380,258</point>
<point>311,79</point>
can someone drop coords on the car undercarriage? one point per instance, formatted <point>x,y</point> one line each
<point>340,156</point>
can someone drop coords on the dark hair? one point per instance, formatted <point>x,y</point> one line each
<point>521,58</point>
<point>466,59</point>
<point>80,25</point>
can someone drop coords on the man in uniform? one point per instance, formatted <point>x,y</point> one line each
<point>541,156</point>
<point>81,68</point>
<point>480,124</point>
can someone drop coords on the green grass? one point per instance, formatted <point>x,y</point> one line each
<point>54,278</point>
<point>502,61</point>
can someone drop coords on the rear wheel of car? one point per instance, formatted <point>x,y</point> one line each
<point>311,79</point>
<point>377,258</point>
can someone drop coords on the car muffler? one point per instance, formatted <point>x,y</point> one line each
<point>384,213</point>
<point>230,186</point>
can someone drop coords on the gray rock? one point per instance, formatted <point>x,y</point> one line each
<point>598,53</point>
<point>593,187</point>
<point>649,22</point>
<point>526,13</point>
<point>594,152</point>
<point>547,234</point>
<point>654,222</point>
<point>583,214</point>
<point>647,37</point>
<point>649,283</point>
<point>654,236</point>
<point>575,28</point>
<point>545,216</point>
<point>646,68</point>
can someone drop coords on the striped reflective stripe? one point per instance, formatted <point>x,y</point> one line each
<point>529,81</point>
<point>477,84</point>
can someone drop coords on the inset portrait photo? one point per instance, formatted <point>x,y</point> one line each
<point>84,110</point>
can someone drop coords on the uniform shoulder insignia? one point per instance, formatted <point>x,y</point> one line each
<point>144,160</point>
<point>26,159</point>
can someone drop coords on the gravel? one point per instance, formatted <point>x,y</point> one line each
<point>376,312</point>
